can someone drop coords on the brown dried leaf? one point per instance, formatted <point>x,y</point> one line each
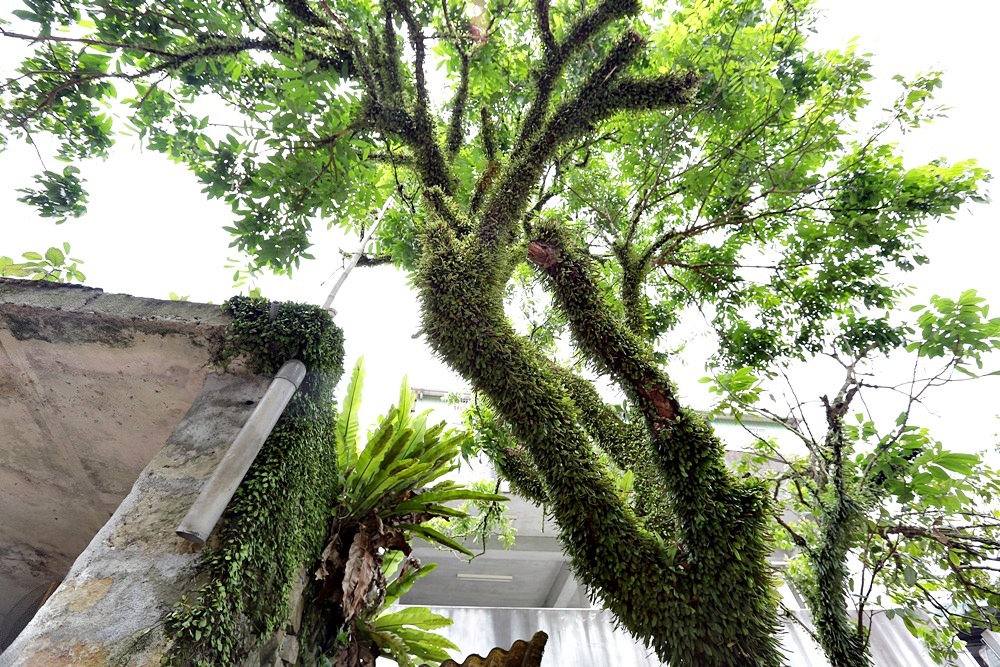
<point>358,574</point>
<point>324,558</point>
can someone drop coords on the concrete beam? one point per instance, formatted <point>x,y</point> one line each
<point>564,588</point>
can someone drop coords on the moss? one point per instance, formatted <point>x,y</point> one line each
<point>628,447</point>
<point>720,545</point>
<point>278,518</point>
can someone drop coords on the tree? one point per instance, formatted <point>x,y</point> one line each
<point>633,161</point>
<point>882,518</point>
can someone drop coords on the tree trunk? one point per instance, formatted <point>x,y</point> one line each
<point>700,597</point>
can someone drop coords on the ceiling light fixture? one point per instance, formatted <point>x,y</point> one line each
<point>485,577</point>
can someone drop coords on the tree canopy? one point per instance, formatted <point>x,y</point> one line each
<point>631,161</point>
<point>876,515</point>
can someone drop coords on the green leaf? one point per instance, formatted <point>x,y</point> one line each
<point>55,256</point>
<point>347,420</point>
<point>368,465</point>
<point>432,535</point>
<point>426,645</point>
<point>457,494</point>
<point>962,464</point>
<point>406,401</point>
<point>394,645</point>
<point>402,584</point>
<point>427,508</point>
<point>419,617</point>
<point>25,15</point>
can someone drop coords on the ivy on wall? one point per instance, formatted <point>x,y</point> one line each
<point>277,521</point>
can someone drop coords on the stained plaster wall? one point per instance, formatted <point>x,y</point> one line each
<point>91,387</point>
<point>109,609</point>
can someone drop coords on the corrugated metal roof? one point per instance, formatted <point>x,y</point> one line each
<point>587,638</point>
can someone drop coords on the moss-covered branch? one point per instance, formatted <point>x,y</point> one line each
<point>511,459</point>
<point>613,434</point>
<point>675,595</point>
<point>827,582</point>
<point>536,144</point>
<point>544,29</point>
<point>628,446</point>
<point>488,138</point>
<point>558,55</point>
<point>301,10</point>
<point>633,282</point>
<point>390,60</point>
<point>617,351</point>
<point>423,138</point>
<point>598,99</point>
<point>388,109</point>
<point>730,559</point>
<point>456,127</point>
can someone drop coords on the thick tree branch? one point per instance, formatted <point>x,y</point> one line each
<point>456,127</point>
<point>845,644</point>
<point>618,352</point>
<point>700,487</point>
<point>464,321</point>
<point>544,29</point>
<point>554,61</point>
<point>301,10</point>
<point>513,462</point>
<point>387,111</point>
<point>628,446</point>
<point>614,435</point>
<point>633,283</point>
<point>602,96</point>
<point>391,60</point>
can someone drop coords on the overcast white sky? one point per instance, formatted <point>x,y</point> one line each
<point>150,232</point>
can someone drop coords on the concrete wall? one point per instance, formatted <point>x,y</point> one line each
<point>108,609</point>
<point>111,419</point>
<point>91,387</point>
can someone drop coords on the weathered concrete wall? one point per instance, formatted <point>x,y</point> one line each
<point>109,609</point>
<point>91,386</point>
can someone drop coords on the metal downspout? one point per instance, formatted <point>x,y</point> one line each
<point>219,490</point>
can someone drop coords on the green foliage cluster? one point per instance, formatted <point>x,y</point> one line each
<point>55,266</point>
<point>267,334</point>
<point>390,493</point>
<point>278,518</point>
<point>883,515</point>
<point>61,194</point>
<point>482,519</point>
<point>957,329</point>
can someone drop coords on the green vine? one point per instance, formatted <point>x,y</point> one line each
<point>277,521</point>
